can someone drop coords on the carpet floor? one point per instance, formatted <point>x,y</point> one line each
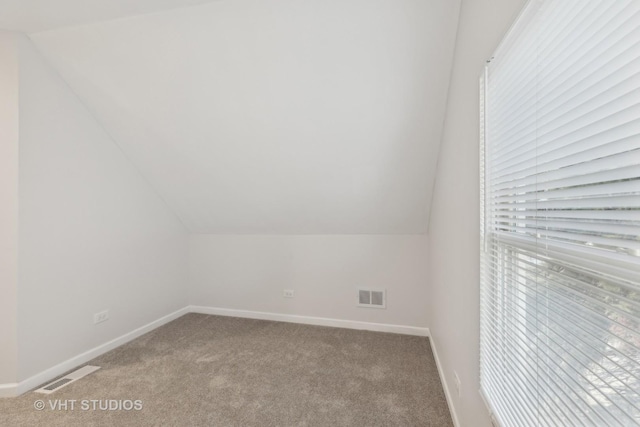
<point>202,370</point>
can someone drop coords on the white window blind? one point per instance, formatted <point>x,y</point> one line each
<point>560,217</point>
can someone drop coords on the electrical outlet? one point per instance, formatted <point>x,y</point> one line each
<point>288,293</point>
<point>103,316</point>
<point>456,379</point>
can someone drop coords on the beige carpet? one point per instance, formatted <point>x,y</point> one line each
<point>204,370</point>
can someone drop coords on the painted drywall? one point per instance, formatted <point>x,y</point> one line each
<point>251,272</point>
<point>93,235</point>
<point>39,15</point>
<point>454,227</point>
<point>274,116</point>
<point>8,207</point>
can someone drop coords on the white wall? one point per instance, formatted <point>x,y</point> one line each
<point>8,207</point>
<point>39,15</point>
<point>274,116</point>
<point>93,235</point>
<point>251,272</point>
<point>454,227</point>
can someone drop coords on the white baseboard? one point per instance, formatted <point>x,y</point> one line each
<point>308,320</point>
<point>8,390</point>
<point>16,389</point>
<point>445,386</point>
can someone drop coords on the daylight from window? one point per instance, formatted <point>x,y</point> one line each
<point>560,217</point>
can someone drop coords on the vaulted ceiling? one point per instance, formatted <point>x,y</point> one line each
<point>30,16</point>
<point>264,116</point>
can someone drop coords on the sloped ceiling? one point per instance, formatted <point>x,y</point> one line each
<point>29,16</point>
<point>274,116</point>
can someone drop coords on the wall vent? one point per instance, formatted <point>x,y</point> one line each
<point>372,298</point>
<point>67,379</point>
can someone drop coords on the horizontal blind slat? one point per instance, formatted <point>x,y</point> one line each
<point>602,176</point>
<point>560,217</point>
<point>567,380</point>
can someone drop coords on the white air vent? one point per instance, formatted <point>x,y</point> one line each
<point>67,379</point>
<point>372,298</point>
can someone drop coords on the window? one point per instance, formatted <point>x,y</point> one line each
<point>560,217</point>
